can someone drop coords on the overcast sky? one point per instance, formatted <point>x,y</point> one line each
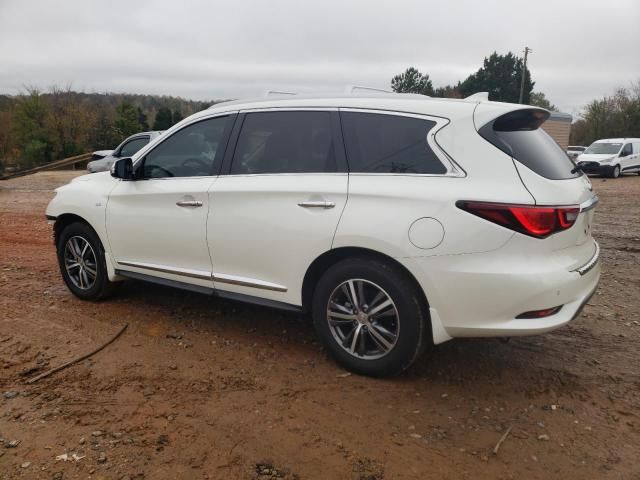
<point>582,49</point>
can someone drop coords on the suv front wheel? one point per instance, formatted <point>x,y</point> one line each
<point>370,316</point>
<point>82,262</point>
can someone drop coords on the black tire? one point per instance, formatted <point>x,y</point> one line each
<point>101,287</point>
<point>414,327</point>
<point>615,172</point>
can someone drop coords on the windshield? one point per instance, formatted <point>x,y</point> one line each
<point>603,148</point>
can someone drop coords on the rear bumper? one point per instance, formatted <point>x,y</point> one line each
<point>480,295</point>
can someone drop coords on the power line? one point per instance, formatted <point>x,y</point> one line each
<point>527,50</point>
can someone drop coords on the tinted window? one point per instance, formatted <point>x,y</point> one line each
<point>285,142</point>
<point>380,143</point>
<point>626,150</point>
<point>132,146</point>
<point>519,135</point>
<point>190,152</point>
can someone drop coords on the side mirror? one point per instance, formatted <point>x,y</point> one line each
<point>122,169</point>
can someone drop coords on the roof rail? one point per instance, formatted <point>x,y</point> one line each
<point>355,88</point>
<point>274,93</point>
<point>479,96</point>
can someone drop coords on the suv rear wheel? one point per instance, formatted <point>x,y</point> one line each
<point>82,262</point>
<point>370,316</point>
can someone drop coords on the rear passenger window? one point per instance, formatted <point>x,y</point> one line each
<point>519,135</point>
<point>285,142</point>
<point>381,143</point>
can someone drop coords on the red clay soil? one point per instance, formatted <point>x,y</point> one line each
<point>198,387</point>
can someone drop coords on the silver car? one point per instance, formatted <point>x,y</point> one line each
<point>126,149</point>
<point>573,151</point>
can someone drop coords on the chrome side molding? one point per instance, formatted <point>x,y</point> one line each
<point>247,282</point>
<point>184,272</point>
<point>202,275</point>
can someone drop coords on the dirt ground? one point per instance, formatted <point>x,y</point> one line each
<point>198,387</point>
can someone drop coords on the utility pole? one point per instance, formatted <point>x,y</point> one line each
<point>524,73</point>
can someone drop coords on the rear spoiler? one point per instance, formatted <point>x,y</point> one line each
<point>523,119</point>
<point>520,120</point>
<point>480,97</point>
<point>516,114</point>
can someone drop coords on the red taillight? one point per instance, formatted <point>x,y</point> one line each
<point>539,222</point>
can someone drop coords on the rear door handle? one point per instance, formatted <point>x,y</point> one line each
<point>316,204</point>
<point>189,203</point>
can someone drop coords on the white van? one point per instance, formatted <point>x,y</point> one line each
<point>611,157</point>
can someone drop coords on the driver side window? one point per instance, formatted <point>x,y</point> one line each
<point>626,150</point>
<point>191,152</point>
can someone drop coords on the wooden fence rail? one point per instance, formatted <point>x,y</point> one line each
<point>65,162</point>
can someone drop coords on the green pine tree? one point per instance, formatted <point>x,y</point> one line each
<point>163,119</point>
<point>176,116</point>
<point>500,75</point>
<point>142,120</point>
<point>412,81</point>
<point>127,122</point>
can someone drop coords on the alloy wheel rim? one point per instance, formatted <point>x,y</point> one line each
<point>80,262</point>
<point>363,319</point>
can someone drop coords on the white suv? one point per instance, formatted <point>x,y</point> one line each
<point>397,221</point>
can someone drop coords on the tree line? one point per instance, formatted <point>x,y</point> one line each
<point>38,127</point>
<point>500,75</point>
<point>615,116</point>
<point>612,116</point>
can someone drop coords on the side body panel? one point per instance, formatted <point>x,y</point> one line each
<point>383,207</point>
<point>86,197</point>
<point>149,233</point>
<point>261,240</point>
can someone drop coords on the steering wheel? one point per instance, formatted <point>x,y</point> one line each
<point>197,162</point>
<point>162,169</point>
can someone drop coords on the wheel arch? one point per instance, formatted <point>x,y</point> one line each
<point>333,256</point>
<point>66,219</point>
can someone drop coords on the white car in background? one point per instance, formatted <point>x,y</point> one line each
<point>574,150</point>
<point>98,154</point>
<point>611,157</point>
<point>395,220</point>
<point>127,148</point>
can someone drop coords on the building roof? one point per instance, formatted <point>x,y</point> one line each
<point>561,117</point>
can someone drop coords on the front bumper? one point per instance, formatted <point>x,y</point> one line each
<point>480,295</point>
<point>595,167</point>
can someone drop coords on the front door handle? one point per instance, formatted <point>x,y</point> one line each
<point>189,203</point>
<point>316,204</point>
